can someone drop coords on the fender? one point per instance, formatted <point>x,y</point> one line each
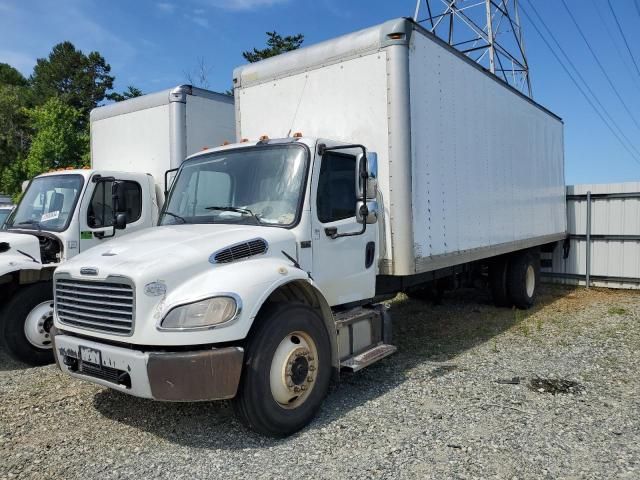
<point>15,262</point>
<point>301,279</point>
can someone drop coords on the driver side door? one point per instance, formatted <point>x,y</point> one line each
<point>97,213</point>
<point>344,267</point>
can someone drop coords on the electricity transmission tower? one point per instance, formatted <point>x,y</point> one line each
<point>488,31</point>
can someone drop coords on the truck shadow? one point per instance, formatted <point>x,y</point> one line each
<point>427,336</point>
<point>9,364</point>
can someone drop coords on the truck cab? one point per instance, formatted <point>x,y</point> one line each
<point>61,214</point>
<point>135,146</point>
<point>251,234</point>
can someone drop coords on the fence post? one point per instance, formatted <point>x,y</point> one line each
<point>588,241</point>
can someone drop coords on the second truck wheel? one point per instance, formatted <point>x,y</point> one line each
<point>287,371</point>
<point>27,321</point>
<point>523,278</point>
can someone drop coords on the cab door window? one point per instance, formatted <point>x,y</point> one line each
<point>336,198</point>
<point>101,210</point>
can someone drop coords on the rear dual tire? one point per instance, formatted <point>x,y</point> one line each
<point>514,279</point>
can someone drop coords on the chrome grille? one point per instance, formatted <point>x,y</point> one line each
<point>257,246</point>
<point>100,306</point>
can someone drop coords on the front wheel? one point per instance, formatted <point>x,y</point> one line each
<point>27,322</point>
<point>287,371</point>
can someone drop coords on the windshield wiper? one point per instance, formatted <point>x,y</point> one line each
<point>244,211</point>
<point>175,216</point>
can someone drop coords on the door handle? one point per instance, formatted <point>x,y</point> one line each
<point>331,231</point>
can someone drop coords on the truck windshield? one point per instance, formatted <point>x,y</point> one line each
<point>48,203</point>
<point>255,185</point>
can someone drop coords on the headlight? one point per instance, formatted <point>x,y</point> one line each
<point>202,314</point>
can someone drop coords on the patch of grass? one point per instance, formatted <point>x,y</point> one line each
<point>617,311</point>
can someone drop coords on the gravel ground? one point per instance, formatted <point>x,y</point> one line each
<point>447,405</point>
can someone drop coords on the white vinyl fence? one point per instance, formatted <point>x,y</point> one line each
<point>604,231</point>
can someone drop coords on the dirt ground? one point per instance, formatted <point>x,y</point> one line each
<point>473,392</point>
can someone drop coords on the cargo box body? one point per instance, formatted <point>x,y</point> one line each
<point>469,168</point>
<point>156,132</point>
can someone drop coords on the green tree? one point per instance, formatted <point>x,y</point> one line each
<point>11,76</point>
<point>130,92</point>
<point>57,141</point>
<point>81,81</point>
<point>276,44</point>
<point>15,132</point>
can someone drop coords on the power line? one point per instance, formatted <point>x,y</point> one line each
<point>577,71</point>
<point>615,17</point>
<point>580,89</point>
<point>632,74</point>
<point>604,72</point>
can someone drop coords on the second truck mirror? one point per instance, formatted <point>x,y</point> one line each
<point>119,219</point>
<point>372,175</point>
<point>120,222</point>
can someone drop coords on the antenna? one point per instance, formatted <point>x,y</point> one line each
<point>487,31</point>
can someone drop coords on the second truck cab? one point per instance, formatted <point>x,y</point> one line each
<point>66,212</point>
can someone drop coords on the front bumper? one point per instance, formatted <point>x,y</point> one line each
<point>193,376</point>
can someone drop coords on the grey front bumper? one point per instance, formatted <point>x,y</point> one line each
<point>191,376</point>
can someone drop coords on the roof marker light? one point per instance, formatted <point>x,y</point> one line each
<point>297,135</point>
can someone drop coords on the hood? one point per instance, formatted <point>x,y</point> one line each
<point>161,250</point>
<point>20,241</point>
<point>20,247</point>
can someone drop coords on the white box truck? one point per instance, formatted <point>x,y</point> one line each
<point>371,164</point>
<point>63,213</point>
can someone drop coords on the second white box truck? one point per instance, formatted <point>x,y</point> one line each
<point>374,163</point>
<point>62,213</point>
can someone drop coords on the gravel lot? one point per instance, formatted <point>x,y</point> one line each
<point>436,409</point>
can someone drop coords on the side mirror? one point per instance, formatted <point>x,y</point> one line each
<point>370,167</point>
<point>367,213</point>
<point>120,222</point>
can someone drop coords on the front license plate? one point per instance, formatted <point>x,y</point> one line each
<point>91,355</point>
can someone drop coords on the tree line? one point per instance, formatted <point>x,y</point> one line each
<point>44,119</point>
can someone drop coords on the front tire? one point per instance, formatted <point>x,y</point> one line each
<point>287,371</point>
<point>26,323</point>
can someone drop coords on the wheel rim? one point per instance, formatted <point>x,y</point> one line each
<point>531,281</point>
<point>294,370</point>
<point>37,325</point>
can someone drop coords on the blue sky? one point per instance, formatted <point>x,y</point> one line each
<point>152,44</point>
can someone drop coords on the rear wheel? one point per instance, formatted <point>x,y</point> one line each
<point>27,320</point>
<point>498,279</point>
<point>523,278</point>
<point>287,371</point>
